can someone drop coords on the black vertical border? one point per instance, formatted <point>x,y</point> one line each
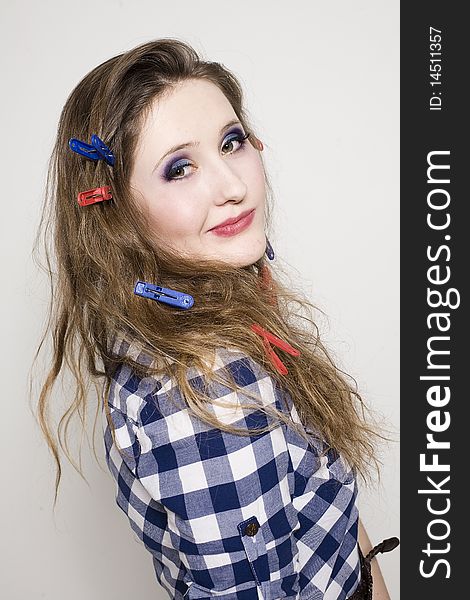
<point>423,131</point>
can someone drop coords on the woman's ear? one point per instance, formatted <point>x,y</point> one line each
<point>256,143</point>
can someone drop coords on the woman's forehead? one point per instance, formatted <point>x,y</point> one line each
<point>192,112</point>
<point>189,107</point>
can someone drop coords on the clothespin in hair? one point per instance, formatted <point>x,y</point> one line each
<point>95,195</point>
<point>266,284</point>
<point>165,295</point>
<point>97,150</point>
<point>269,338</point>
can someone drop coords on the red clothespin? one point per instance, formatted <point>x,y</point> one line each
<point>266,283</point>
<point>95,195</point>
<point>267,339</point>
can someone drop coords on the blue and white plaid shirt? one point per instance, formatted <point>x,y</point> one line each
<point>230,516</point>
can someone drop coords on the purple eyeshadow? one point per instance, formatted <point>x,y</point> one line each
<point>173,162</point>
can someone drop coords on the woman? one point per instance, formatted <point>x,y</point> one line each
<point>165,296</point>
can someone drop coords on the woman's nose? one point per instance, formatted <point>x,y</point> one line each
<point>228,183</point>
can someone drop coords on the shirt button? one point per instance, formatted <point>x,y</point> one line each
<point>251,529</point>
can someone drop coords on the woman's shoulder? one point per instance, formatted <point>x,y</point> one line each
<point>156,403</point>
<point>132,389</point>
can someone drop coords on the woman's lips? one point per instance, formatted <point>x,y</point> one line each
<point>234,228</point>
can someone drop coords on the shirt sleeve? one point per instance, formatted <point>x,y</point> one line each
<point>214,509</point>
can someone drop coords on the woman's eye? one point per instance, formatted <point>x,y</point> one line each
<point>177,171</point>
<point>238,138</point>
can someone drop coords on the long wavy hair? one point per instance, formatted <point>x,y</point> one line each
<point>95,255</point>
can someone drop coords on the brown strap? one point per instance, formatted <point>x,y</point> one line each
<point>384,546</point>
<point>364,589</point>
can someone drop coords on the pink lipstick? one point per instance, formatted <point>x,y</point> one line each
<point>235,227</point>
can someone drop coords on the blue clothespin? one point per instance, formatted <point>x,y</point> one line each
<point>97,150</point>
<point>171,297</point>
<point>84,149</point>
<point>102,149</point>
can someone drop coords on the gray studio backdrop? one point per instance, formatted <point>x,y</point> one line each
<point>322,87</point>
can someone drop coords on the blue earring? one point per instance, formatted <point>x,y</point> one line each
<point>269,250</point>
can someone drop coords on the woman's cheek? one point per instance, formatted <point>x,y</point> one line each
<point>257,174</point>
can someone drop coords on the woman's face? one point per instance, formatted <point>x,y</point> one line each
<point>187,191</point>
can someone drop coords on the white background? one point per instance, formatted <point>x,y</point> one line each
<point>322,87</point>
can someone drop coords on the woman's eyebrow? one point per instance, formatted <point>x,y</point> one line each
<point>192,144</point>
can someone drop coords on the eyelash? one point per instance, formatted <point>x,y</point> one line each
<point>237,138</point>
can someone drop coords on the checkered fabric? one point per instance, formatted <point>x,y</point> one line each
<point>230,516</point>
